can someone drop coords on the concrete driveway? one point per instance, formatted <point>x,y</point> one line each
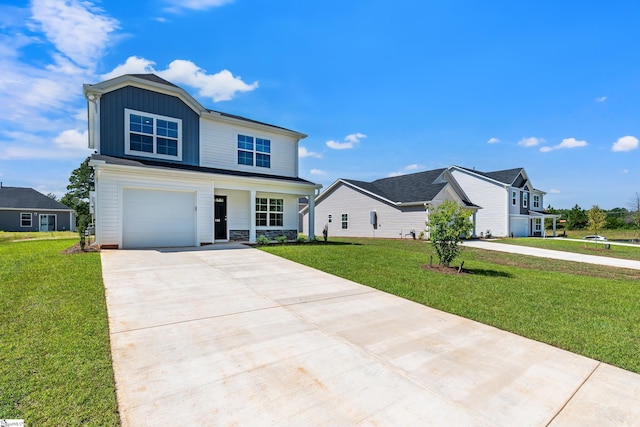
<point>233,336</point>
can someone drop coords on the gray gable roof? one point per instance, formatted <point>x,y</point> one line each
<point>415,187</point>
<point>153,78</point>
<point>27,198</point>
<point>507,176</point>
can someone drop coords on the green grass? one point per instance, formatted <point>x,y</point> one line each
<point>587,247</point>
<point>590,310</point>
<point>617,234</point>
<point>55,361</point>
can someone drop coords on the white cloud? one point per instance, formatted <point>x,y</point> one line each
<point>349,142</point>
<point>601,99</point>
<point>530,142</point>
<point>554,191</point>
<point>221,86</point>
<point>78,29</point>
<point>303,152</point>
<point>392,174</point>
<point>68,144</point>
<point>625,171</point>
<point>626,143</point>
<point>196,4</point>
<point>317,172</point>
<point>566,143</point>
<point>72,139</point>
<point>413,167</point>
<point>493,141</point>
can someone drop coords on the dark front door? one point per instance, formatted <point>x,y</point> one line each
<point>220,218</point>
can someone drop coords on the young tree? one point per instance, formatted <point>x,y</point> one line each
<point>447,224</point>
<point>81,182</point>
<point>635,213</point>
<point>597,221</point>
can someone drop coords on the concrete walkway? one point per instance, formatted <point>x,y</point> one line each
<point>239,337</point>
<point>548,253</point>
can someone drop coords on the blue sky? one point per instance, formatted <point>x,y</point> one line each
<point>381,88</point>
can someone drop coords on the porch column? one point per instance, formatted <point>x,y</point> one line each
<point>474,235</point>
<point>554,226</point>
<point>312,216</point>
<point>252,217</point>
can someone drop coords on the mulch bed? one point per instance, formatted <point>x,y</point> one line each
<point>75,249</point>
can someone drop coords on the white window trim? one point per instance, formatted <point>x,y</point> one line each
<point>154,155</point>
<point>536,201</point>
<point>537,224</point>
<point>525,199</point>
<point>254,152</point>
<point>342,221</point>
<point>514,198</point>
<point>30,219</point>
<point>55,220</point>
<point>268,212</point>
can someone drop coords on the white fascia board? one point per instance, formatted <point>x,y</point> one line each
<point>178,173</point>
<point>374,195</point>
<point>28,210</point>
<point>214,115</point>
<point>123,81</point>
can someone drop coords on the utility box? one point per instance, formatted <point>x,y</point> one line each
<point>373,219</point>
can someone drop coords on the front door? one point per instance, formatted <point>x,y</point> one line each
<point>220,218</point>
<point>47,222</point>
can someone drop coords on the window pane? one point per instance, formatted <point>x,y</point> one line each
<point>245,158</point>
<point>261,204</point>
<point>261,219</point>
<point>263,160</point>
<point>263,145</point>
<point>245,142</point>
<point>276,205</point>
<point>167,146</point>
<point>139,142</point>
<point>276,220</point>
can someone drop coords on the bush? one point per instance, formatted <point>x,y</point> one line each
<point>301,239</point>
<point>282,239</point>
<point>447,223</point>
<point>262,240</point>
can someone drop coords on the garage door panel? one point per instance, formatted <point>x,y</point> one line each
<point>155,218</point>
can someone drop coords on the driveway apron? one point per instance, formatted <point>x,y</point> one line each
<point>232,336</point>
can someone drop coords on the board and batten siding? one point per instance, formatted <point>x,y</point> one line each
<point>113,104</point>
<point>219,148</point>
<point>110,185</point>
<point>492,197</point>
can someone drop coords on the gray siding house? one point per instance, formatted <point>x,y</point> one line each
<point>170,172</point>
<point>395,207</point>
<point>25,209</point>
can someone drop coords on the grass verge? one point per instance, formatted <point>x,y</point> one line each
<point>589,310</point>
<point>55,360</point>
<point>584,247</point>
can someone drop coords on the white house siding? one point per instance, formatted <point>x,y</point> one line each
<point>219,148</point>
<point>110,184</point>
<point>392,222</point>
<point>238,208</point>
<point>493,199</point>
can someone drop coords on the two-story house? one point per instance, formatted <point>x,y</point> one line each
<point>512,207</point>
<point>169,172</point>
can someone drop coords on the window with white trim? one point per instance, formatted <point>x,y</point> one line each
<point>248,151</point>
<point>537,224</point>
<point>152,135</point>
<point>25,219</point>
<point>269,212</point>
<point>514,198</point>
<point>525,200</point>
<point>536,201</point>
<point>345,221</point>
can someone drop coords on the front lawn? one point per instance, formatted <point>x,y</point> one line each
<point>588,247</point>
<point>590,310</point>
<point>55,361</point>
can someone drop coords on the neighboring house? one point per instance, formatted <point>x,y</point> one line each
<point>169,172</point>
<point>511,205</point>
<point>25,209</point>
<point>395,207</point>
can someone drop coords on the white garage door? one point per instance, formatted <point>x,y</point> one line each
<point>153,218</point>
<point>519,227</point>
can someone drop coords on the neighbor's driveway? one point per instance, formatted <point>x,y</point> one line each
<point>239,337</point>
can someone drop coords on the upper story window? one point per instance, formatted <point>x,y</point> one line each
<point>248,151</point>
<point>525,200</point>
<point>151,135</point>
<point>536,201</point>
<point>514,198</point>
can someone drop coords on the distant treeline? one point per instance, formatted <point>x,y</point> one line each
<point>577,218</point>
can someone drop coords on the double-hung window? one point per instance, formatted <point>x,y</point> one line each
<point>514,198</point>
<point>345,221</point>
<point>247,151</point>
<point>25,219</point>
<point>152,135</point>
<point>269,212</point>
<point>525,200</point>
<point>536,201</point>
